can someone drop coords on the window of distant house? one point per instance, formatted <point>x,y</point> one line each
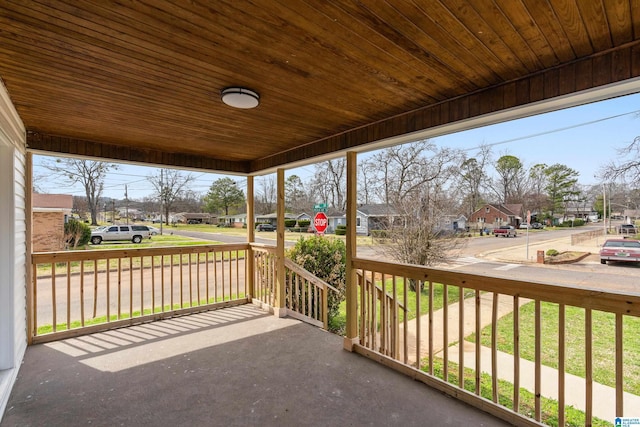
<point>487,210</point>
<point>358,222</point>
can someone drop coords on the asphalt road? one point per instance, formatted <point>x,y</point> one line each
<point>588,273</point>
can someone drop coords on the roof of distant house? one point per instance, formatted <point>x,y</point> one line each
<point>52,201</point>
<point>378,209</point>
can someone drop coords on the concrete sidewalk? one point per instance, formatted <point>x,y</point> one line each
<point>604,396</point>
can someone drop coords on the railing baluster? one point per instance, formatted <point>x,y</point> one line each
<point>538,362</point>
<point>198,278</point>
<point>494,348</point>
<point>222,275</point>
<point>561,363</point>
<point>588,365</point>
<point>108,290</point>
<point>53,296</point>
<point>461,337</point>
<point>516,353</point>
<point>130,287</point>
<point>478,348</point>
<point>81,293</point>
<point>119,288</point>
<point>95,288</point>
<point>431,295</point>
<point>153,285</point>
<point>417,284</point>
<point>445,331</point>
<point>141,285</point>
<point>68,295</point>
<point>619,366</point>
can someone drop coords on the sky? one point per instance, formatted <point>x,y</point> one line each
<point>584,138</point>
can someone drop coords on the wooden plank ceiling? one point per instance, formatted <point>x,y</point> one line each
<point>141,80</point>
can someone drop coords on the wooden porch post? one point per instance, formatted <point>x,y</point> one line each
<point>251,237</point>
<point>279,309</point>
<point>28,189</point>
<point>351,337</point>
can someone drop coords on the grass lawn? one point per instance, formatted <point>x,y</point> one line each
<point>573,417</point>
<point>411,303</point>
<point>603,342</point>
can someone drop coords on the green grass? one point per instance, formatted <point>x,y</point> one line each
<point>410,304</point>
<point>549,407</point>
<point>603,342</point>
<point>75,324</point>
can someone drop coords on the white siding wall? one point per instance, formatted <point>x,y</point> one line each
<point>13,248</point>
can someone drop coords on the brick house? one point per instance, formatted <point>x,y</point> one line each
<point>494,215</point>
<point>50,213</point>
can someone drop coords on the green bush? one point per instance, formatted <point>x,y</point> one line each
<point>76,234</point>
<point>552,252</point>
<point>290,223</point>
<point>304,223</point>
<point>326,259</point>
<point>569,223</point>
<point>341,230</point>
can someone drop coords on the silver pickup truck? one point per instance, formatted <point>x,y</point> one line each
<point>133,233</point>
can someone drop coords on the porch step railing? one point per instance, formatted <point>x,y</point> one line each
<point>529,353</point>
<point>78,292</point>
<point>306,296</point>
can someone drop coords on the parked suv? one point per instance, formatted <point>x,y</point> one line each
<point>133,233</point>
<point>627,229</point>
<point>265,227</point>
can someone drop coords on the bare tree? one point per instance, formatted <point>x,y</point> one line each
<point>473,178</point>
<point>417,237</point>
<point>366,181</point>
<point>628,168</point>
<point>88,173</point>
<point>170,185</point>
<point>405,169</point>
<point>265,198</point>
<point>329,183</point>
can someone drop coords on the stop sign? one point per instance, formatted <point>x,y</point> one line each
<point>320,222</point>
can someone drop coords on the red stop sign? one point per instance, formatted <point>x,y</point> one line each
<point>320,222</point>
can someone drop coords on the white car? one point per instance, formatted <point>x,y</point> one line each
<point>525,225</point>
<point>153,230</point>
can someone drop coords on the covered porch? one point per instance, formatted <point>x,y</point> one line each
<point>234,366</point>
<point>142,83</point>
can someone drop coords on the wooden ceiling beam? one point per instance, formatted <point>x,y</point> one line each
<point>54,144</point>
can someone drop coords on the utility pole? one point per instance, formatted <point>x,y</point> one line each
<point>126,203</point>
<point>161,198</point>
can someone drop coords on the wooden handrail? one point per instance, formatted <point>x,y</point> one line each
<point>414,346</point>
<point>308,275</point>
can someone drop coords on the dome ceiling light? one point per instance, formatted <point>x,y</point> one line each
<point>239,97</point>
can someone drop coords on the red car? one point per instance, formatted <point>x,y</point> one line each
<point>620,250</point>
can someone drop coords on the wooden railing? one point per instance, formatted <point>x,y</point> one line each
<point>307,297</point>
<point>507,346</point>
<point>78,292</point>
<point>264,279</point>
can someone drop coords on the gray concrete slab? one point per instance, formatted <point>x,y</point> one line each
<point>232,367</point>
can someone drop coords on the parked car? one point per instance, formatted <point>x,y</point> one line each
<point>627,229</point>
<point>537,225</point>
<point>627,250</point>
<point>153,230</point>
<point>133,233</point>
<point>525,225</point>
<point>505,231</point>
<point>265,227</point>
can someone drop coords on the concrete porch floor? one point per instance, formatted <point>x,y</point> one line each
<point>233,367</point>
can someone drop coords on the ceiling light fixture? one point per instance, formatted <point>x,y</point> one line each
<point>239,97</point>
